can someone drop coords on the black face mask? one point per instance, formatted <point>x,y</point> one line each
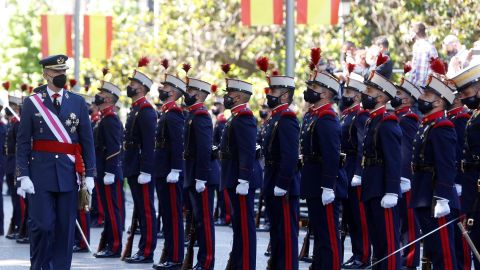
<point>346,102</point>
<point>263,114</point>
<point>163,95</point>
<point>190,99</point>
<point>396,102</point>
<point>311,96</point>
<point>60,80</point>
<point>99,100</point>
<point>228,102</point>
<point>131,91</point>
<point>272,101</point>
<point>425,106</point>
<point>215,112</point>
<point>471,102</point>
<point>368,102</point>
<point>8,112</point>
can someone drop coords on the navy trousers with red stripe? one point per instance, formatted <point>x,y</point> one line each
<point>284,212</point>
<point>224,205</point>
<point>409,231</point>
<point>112,227</point>
<point>244,248</point>
<point>172,202</point>
<point>354,213</point>
<point>119,183</point>
<point>462,250</point>
<point>202,206</point>
<point>16,214</point>
<point>96,213</point>
<point>143,200</point>
<point>383,227</point>
<point>440,245</point>
<point>324,221</point>
<point>84,221</point>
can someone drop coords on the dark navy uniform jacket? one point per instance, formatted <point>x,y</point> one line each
<point>50,171</point>
<point>381,155</point>
<point>218,129</point>
<point>3,154</point>
<point>280,149</point>
<point>139,139</point>
<point>197,154</point>
<point>108,135</point>
<point>409,122</point>
<point>169,141</point>
<point>320,151</point>
<point>10,145</point>
<point>471,158</point>
<point>433,162</point>
<point>237,148</point>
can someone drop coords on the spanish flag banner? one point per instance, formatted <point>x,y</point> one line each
<point>97,36</point>
<point>324,12</point>
<point>56,34</point>
<point>262,12</point>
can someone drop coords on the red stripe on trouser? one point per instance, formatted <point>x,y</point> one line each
<point>390,238</point>
<point>363,225</point>
<point>119,199</point>
<point>447,260</point>
<point>149,221</point>
<point>245,237</point>
<point>287,232</point>
<point>208,233</point>
<point>83,226</point>
<point>22,208</point>
<point>101,213</point>
<point>411,230</point>
<point>226,199</point>
<point>113,220</point>
<point>332,232</point>
<point>173,207</point>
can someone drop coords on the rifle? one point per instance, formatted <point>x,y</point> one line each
<point>188,225</point>
<point>188,261</point>
<point>303,256</point>
<point>259,212</point>
<point>127,252</point>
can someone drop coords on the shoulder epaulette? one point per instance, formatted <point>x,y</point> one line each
<point>390,117</point>
<point>327,112</point>
<point>109,114</point>
<point>444,123</point>
<point>200,112</point>
<point>413,116</point>
<point>245,113</point>
<point>288,113</point>
<point>464,115</point>
<point>362,111</point>
<point>145,105</point>
<point>175,109</point>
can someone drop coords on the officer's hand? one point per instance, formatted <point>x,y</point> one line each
<point>89,184</point>
<point>26,184</point>
<point>389,200</point>
<point>109,178</point>
<point>279,191</point>
<point>441,208</point>
<point>200,185</point>
<point>458,187</point>
<point>172,177</point>
<point>328,196</point>
<point>242,187</point>
<point>21,192</point>
<point>356,181</point>
<point>144,178</point>
<point>405,184</point>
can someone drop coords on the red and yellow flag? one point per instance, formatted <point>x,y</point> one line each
<point>97,36</point>
<point>262,12</point>
<point>317,12</point>
<point>56,34</point>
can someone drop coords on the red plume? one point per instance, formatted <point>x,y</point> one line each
<point>73,82</point>
<point>6,85</point>
<point>65,87</point>
<point>186,67</point>
<point>315,54</point>
<point>275,73</point>
<point>30,89</point>
<point>213,88</point>
<point>105,71</point>
<point>437,66</point>
<point>406,68</point>
<point>311,66</point>
<point>143,62</point>
<point>350,67</point>
<point>381,59</point>
<point>165,63</point>
<point>24,87</point>
<point>226,68</point>
<point>266,90</point>
<point>262,63</point>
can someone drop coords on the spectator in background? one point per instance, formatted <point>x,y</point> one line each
<point>458,56</point>
<point>386,68</point>
<point>348,52</point>
<point>371,59</point>
<point>422,51</point>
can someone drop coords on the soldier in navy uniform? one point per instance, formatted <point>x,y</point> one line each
<point>3,135</point>
<point>320,152</point>
<point>108,135</point>
<point>281,186</point>
<point>407,95</point>
<point>434,196</point>
<point>353,127</point>
<point>381,174</point>
<point>139,146</point>
<point>200,185</point>
<point>237,154</point>
<point>169,171</point>
<point>51,153</point>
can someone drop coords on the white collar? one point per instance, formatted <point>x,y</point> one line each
<point>51,92</point>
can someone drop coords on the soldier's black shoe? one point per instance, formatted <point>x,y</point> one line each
<point>198,267</point>
<point>78,249</point>
<point>106,253</point>
<point>168,265</point>
<point>139,258</point>
<point>24,240</point>
<point>355,264</point>
<point>11,236</point>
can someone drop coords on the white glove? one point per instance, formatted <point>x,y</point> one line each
<point>441,208</point>
<point>242,187</point>
<point>21,192</point>
<point>356,181</point>
<point>144,178</point>
<point>26,184</point>
<point>200,185</point>
<point>108,179</point>
<point>90,184</point>
<point>173,175</point>
<point>328,196</point>
<point>389,200</point>
<point>458,187</point>
<point>279,191</point>
<point>405,184</point>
